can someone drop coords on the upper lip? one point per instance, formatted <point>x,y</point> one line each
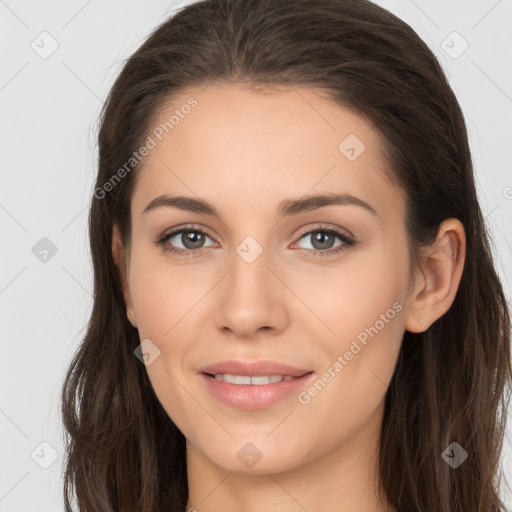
<point>253,368</point>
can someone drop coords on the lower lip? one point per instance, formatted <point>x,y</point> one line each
<point>254,397</point>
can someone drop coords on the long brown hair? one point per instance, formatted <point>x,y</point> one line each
<point>451,383</point>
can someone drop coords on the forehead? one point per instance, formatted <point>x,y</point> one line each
<point>260,143</point>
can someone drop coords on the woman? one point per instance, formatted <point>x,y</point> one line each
<point>295,302</point>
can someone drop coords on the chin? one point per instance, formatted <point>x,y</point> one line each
<point>253,457</point>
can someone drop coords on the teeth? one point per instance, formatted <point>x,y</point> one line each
<point>255,381</point>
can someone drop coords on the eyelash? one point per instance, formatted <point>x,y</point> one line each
<point>347,240</point>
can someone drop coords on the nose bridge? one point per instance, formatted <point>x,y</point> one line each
<point>248,300</point>
<point>250,249</point>
<point>249,266</point>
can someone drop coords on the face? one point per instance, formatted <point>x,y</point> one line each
<point>322,289</point>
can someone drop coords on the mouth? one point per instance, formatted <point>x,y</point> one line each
<point>254,392</point>
<point>255,380</point>
<point>234,368</point>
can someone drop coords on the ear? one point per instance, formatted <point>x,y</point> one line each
<point>119,255</point>
<point>438,279</point>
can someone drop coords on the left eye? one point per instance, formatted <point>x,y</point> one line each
<point>193,240</point>
<point>322,238</point>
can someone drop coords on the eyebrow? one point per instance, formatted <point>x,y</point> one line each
<point>286,207</point>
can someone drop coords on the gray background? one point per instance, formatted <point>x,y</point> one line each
<point>49,107</point>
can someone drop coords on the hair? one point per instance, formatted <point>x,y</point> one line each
<point>451,382</point>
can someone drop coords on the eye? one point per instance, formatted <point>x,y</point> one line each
<point>322,239</point>
<point>192,239</point>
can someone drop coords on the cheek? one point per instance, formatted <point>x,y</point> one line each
<point>356,296</point>
<point>163,298</point>
<point>153,303</point>
<point>163,294</point>
<point>365,313</point>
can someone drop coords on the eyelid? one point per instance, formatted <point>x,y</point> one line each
<point>303,231</point>
<point>347,240</point>
<point>324,226</point>
<point>186,227</point>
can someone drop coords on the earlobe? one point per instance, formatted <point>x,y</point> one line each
<point>119,255</point>
<point>439,277</point>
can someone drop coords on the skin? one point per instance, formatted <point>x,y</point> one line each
<point>244,151</point>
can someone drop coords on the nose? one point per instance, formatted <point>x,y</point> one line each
<point>251,297</point>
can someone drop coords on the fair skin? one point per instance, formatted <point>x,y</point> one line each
<point>245,151</point>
